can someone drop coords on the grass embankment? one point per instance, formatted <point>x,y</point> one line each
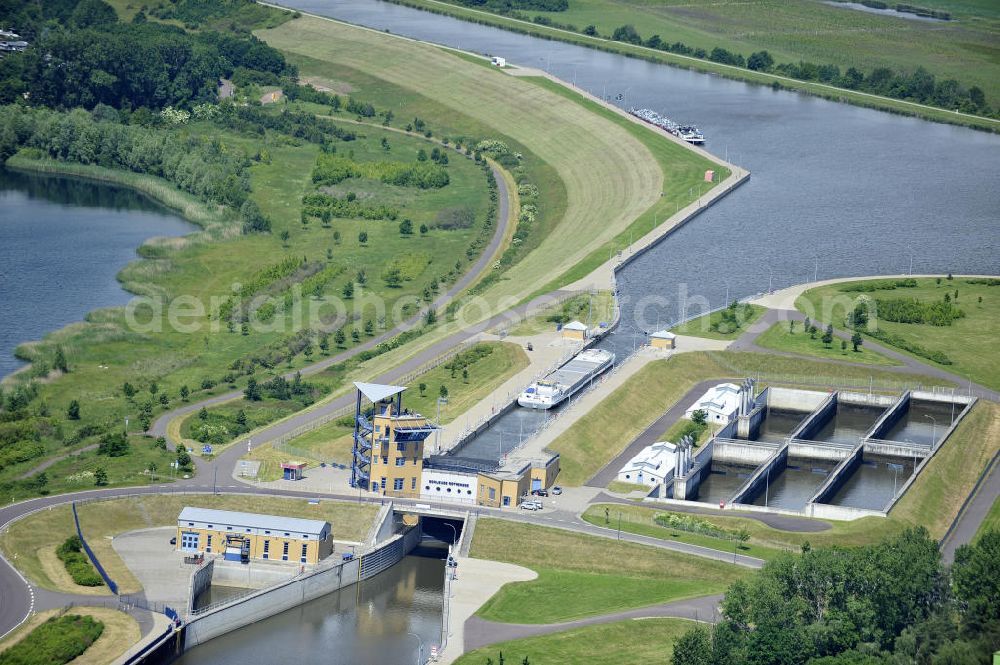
<point>992,521</point>
<point>779,338</point>
<point>697,64</point>
<point>621,487</point>
<point>595,308</point>
<point>102,520</point>
<point>580,575</point>
<point>488,364</point>
<point>932,501</point>
<point>636,641</point>
<point>610,176</point>
<point>963,342</point>
<point>725,324</point>
<point>595,439</point>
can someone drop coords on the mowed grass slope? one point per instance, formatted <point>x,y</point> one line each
<point>633,641</point>
<point>609,176</point>
<point>581,575</point>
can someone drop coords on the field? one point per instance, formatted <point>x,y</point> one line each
<point>580,575</point>
<point>712,325</point>
<point>963,342</point>
<point>159,358</point>
<point>593,440</point>
<point>102,520</point>
<point>120,632</point>
<point>790,32</point>
<point>609,175</point>
<point>778,338</point>
<point>637,641</point>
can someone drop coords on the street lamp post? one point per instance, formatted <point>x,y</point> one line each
<point>454,541</point>
<point>420,647</point>
<point>933,428</point>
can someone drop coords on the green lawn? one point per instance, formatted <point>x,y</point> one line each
<point>713,326</point>
<point>778,338</point>
<point>621,487</point>
<point>582,575</point>
<point>103,519</point>
<point>599,435</point>
<point>992,521</point>
<point>635,641</point>
<point>963,49</point>
<point>963,342</point>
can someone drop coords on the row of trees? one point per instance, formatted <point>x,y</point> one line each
<point>201,167</point>
<point>893,602</point>
<point>919,85</point>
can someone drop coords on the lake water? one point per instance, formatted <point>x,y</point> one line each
<point>62,241</point>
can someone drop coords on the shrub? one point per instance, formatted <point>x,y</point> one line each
<point>77,563</point>
<point>59,640</point>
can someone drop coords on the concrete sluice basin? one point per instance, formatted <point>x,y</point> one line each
<point>778,424</point>
<point>849,423</point>
<point>505,434</point>
<point>793,486</point>
<point>918,423</point>
<point>874,482</point>
<point>721,483</point>
<point>218,593</point>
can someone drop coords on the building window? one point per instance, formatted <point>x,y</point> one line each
<point>413,483</point>
<point>229,528</point>
<point>268,532</point>
<point>449,490</point>
<point>401,446</point>
<point>284,552</point>
<point>383,482</point>
<point>302,559</point>
<point>468,491</point>
<point>397,484</point>
<point>208,544</point>
<point>400,461</point>
<point>287,534</point>
<point>506,501</point>
<point>267,549</point>
<point>209,526</point>
<point>493,494</point>
<point>385,460</point>
<point>427,487</point>
<point>414,461</point>
<point>189,541</point>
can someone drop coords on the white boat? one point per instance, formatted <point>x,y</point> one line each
<point>689,133</point>
<point>563,383</point>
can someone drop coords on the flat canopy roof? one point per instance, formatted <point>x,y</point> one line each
<point>663,334</point>
<point>376,391</point>
<point>574,325</point>
<point>251,520</point>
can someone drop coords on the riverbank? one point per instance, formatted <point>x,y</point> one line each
<point>887,104</point>
<point>156,189</point>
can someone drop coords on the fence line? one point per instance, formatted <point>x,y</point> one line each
<point>90,553</point>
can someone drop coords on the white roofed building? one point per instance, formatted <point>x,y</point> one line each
<point>652,466</point>
<point>719,402</point>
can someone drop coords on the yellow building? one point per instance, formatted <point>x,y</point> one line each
<point>576,331</point>
<point>388,455</point>
<point>663,339</point>
<point>243,536</point>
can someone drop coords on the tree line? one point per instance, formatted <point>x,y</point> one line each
<point>889,603</point>
<point>88,57</point>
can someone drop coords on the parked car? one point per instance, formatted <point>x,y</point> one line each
<point>556,490</point>
<point>531,505</point>
<point>540,492</point>
<point>173,541</point>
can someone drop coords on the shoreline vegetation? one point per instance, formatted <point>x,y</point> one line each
<point>775,81</point>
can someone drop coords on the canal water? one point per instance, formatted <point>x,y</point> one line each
<point>778,424</point>
<point>848,424</point>
<point>792,487</point>
<point>836,190</point>
<point>368,622</point>
<point>923,423</point>
<point>723,481</point>
<point>874,483</point>
<point>62,240</point>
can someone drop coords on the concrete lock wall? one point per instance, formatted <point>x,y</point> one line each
<point>771,467</point>
<point>749,425</point>
<point>839,475</point>
<point>201,579</point>
<point>815,421</point>
<point>303,588</point>
<point>737,451</point>
<point>793,399</point>
<point>833,452</point>
<point>889,419</point>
